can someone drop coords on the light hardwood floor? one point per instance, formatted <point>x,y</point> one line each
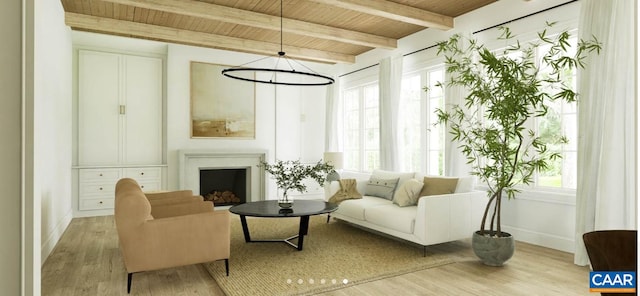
<point>86,261</point>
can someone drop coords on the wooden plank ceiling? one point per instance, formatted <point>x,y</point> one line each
<point>328,31</point>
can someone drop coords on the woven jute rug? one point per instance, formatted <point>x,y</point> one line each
<point>335,255</point>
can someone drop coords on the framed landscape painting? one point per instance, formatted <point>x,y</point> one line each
<point>221,107</point>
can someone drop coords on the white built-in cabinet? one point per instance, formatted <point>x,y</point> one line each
<point>119,109</point>
<point>119,125</point>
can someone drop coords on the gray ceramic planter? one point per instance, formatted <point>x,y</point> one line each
<point>493,251</point>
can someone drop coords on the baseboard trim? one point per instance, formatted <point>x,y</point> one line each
<point>54,236</point>
<point>542,239</point>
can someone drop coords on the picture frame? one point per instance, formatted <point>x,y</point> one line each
<point>220,107</point>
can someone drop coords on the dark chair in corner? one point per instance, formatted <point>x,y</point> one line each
<point>157,235</point>
<point>612,250</point>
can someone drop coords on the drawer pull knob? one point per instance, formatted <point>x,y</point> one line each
<point>142,186</point>
<point>100,188</point>
<point>100,174</point>
<point>100,202</point>
<point>142,173</point>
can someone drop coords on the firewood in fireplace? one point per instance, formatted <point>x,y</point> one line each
<point>222,197</point>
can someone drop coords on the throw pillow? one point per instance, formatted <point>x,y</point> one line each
<point>437,186</point>
<point>408,193</point>
<point>347,190</point>
<point>402,176</point>
<point>381,187</point>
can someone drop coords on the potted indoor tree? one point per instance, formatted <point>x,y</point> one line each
<point>290,174</point>
<point>506,89</point>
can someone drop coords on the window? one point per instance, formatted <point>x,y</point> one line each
<point>422,147</point>
<point>361,128</point>
<point>560,121</point>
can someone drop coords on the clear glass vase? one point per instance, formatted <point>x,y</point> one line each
<point>285,201</point>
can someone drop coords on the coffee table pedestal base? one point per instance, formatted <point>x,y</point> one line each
<point>302,231</point>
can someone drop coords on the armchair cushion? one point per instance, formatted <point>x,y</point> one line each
<point>172,197</point>
<point>185,208</point>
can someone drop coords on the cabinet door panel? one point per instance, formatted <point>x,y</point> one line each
<point>98,108</point>
<point>143,124</point>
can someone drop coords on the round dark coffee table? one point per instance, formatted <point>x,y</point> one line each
<point>270,209</point>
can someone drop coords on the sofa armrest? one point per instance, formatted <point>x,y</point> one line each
<point>181,209</point>
<point>449,217</point>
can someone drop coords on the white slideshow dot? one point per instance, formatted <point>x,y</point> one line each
<point>345,281</point>
<point>311,281</point>
<point>289,281</point>
<point>300,281</point>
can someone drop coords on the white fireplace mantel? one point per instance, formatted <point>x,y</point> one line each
<point>190,162</point>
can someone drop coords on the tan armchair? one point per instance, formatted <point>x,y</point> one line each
<point>164,234</point>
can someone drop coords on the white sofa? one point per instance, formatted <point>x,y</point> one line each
<point>435,219</point>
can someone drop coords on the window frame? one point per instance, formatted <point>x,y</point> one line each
<point>427,119</point>
<point>361,85</point>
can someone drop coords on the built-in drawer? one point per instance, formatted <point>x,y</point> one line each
<point>97,188</point>
<point>97,203</point>
<point>149,185</point>
<point>143,173</point>
<point>99,175</point>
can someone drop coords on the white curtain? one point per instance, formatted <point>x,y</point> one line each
<point>332,122</point>
<point>455,161</point>
<point>606,193</point>
<point>390,81</point>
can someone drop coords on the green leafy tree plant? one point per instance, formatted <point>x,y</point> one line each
<point>290,174</point>
<point>506,89</point>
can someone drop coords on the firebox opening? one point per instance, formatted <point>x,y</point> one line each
<point>224,186</point>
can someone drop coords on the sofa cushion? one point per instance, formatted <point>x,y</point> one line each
<point>465,183</point>
<point>438,185</point>
<point>347,190</point>
<point>393,217</point>
<point>407,194</point>
<point>402,176</point>
<point>355,208</point>
<point>381,187</point>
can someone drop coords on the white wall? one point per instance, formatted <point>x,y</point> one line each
<point>542,218</point>
<point>52,95</point>
<point>10,150</point>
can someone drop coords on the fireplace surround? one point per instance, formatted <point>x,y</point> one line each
<point>192,162</point>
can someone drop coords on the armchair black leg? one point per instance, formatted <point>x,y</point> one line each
<point>226,265</point>
<point>328,217</point>
<point>424,251</point>
<point>129,278</point>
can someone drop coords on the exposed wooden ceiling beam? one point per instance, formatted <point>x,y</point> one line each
<point>253,19</point>
<point>107,25</point>
<point>395,11</point>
